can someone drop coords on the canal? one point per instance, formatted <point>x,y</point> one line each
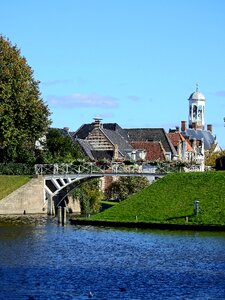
<point>46,261</point>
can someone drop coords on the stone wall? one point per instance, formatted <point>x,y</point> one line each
<point>28,198</point>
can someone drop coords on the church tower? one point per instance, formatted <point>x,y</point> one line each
<point>196,110</point>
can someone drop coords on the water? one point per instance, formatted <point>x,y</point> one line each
<point>45,261</point>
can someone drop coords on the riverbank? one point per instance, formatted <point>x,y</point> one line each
<point>169,202</point>
<point>145,225</point>
<point>29,219</point>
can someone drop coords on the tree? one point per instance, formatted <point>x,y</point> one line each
<point>24,117</point>
<point>211,157</point>
<point>89,195</point>
<point>126,186</point>
<point>61,148</point>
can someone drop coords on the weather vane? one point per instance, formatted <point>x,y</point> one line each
<point>196,86</point>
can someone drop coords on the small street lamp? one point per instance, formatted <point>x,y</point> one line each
<point>196,207</point>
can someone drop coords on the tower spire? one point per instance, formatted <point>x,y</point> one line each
<point>196,86</point>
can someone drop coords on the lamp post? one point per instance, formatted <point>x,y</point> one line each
<point>196,207</point>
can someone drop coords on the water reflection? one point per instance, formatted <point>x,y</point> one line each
<point>45,261</point>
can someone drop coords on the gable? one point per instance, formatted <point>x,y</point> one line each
<point>99,141</point>
<point>177,138</point>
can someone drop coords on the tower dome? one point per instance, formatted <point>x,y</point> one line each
<point>196,96</point>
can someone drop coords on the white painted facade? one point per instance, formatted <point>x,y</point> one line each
<point>196,117</point>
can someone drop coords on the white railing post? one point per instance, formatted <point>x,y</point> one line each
<point>55,169</point>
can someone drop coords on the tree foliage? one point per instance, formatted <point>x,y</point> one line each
<point>211,158</point>
<point>89,195</point>
<point>24,117</point>
<point>126,186</point>
<point>60,148</point>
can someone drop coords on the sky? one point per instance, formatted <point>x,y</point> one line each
<point>131,62</point>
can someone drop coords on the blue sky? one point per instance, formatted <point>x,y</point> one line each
<point>134,62</point>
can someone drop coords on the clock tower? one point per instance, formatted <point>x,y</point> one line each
<point>196,110</point>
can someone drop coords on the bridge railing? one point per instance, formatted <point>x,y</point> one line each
<point>90,168</point>
<point>64,168</point>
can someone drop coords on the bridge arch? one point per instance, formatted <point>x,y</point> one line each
<point>60,178</point>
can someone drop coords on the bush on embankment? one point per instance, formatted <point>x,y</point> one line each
<point>8,184</point>
<point>170,200</point>
<point>16,169</point>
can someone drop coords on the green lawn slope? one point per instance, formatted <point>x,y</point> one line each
<point>171,200</point>
<point>8,184</point>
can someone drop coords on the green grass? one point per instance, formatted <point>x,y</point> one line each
<point>171,200</point>
<point>8,184</point>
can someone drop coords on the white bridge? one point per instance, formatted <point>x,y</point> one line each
<point>63,177</point>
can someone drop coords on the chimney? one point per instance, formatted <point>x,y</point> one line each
<point>209,127</point>
<point>183,126</point>
<point>97,122</point>
<point>194,125</point>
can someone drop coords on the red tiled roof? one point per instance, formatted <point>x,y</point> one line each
<point>176,138</point>
<point>154,150</point>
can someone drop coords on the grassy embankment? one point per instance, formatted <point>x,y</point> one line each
<point>8,184</point>
<point>170,200</point>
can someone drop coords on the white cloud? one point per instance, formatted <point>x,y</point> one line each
<point>220,93</point>
<point>55,82</point>
<point>134,98</point>
<point>83,100</point>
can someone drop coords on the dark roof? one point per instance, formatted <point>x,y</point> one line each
<point>116,138</point>
<point>151,135</point>
<point>199,134</point>
<point>86,147</point>
<point>112,131</point>
<point>100,155</point>
<point>115,127</point>
<point>83,131</point>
